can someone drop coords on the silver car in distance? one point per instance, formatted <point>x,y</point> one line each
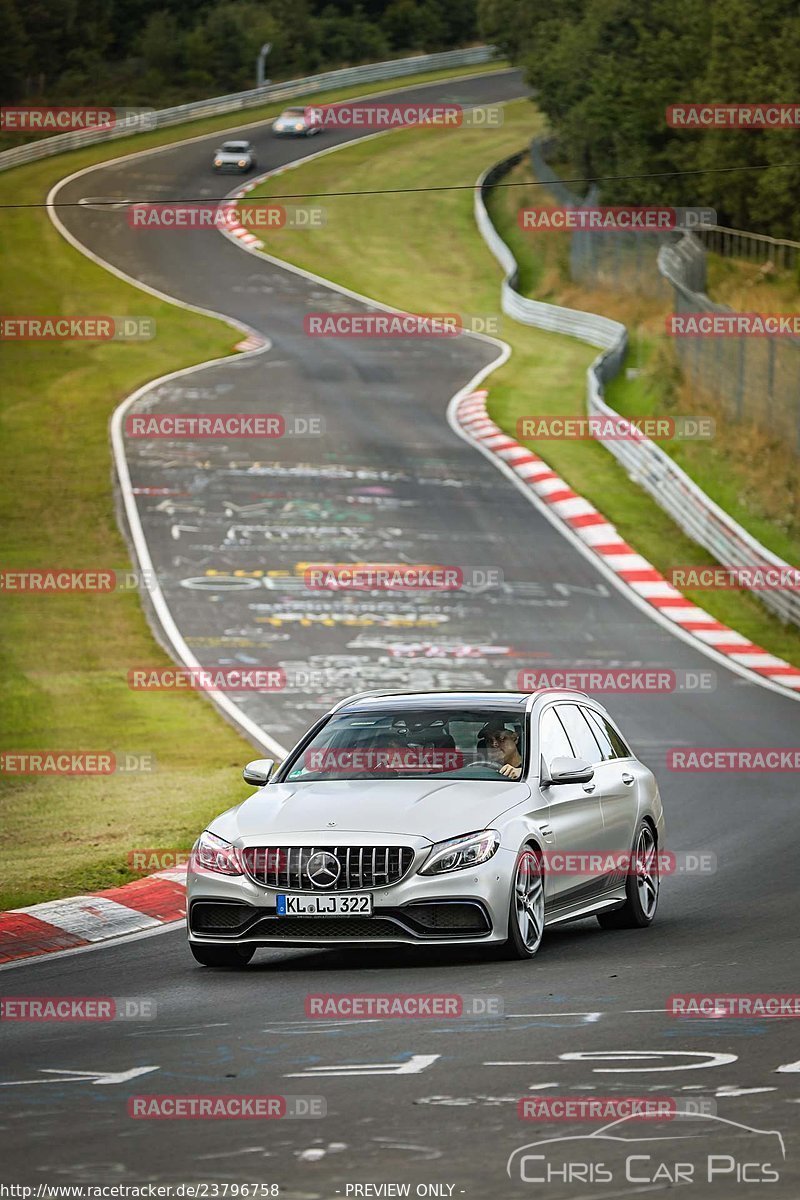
<point>235,156</point>
<point>296,122</point>
<point>432,819</point>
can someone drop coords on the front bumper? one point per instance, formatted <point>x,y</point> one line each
<point>461,907</point>
<point>233,168</point>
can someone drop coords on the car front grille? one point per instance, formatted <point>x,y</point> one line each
<point>359,866</point>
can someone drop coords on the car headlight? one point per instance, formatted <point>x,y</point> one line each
<point>458,853</point>
<point>217,162</point>
<point>300,127</point>
<point>212,853</point>
<point>242,162</point>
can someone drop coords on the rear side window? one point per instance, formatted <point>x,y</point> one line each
<point>553,741</point>
<point>601,723</point>
<point>599,731</point>
<point>580,733</point>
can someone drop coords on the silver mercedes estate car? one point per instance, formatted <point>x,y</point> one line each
<point>436,819</point>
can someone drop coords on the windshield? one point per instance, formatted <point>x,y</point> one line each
<point>292,114</point>
<point>442,743</point>
<point>234,147</point>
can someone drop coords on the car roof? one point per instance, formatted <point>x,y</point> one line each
<point>369,701</point>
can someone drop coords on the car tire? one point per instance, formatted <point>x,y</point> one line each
<point>641,888</point>
<point>222,956</point>
<point>526,909</point>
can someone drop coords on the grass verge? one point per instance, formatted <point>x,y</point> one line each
<point>421,251</point>
<point>65,657</point>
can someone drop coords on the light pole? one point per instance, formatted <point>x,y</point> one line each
<point>262,58</point>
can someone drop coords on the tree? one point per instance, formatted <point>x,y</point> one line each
<point>14,53</point>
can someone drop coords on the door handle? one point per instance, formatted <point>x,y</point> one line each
<point>589,787</point>
<point>627,777</point>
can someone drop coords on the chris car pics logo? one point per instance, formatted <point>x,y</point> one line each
<point>707,1149</point>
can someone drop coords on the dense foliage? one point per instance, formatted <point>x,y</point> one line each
<point>605,71</point>
<point>160,52</point>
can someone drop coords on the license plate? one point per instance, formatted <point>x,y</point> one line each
<point>359,905</point>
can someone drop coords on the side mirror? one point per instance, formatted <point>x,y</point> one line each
<point>570,770</point>
<point>258,771</point>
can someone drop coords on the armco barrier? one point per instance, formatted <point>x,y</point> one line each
<point>646,463</point>
<point>216,105</point>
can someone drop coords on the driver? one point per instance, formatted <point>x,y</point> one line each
<point>503,746</point>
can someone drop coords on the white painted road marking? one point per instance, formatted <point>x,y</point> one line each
<point>67,1076</point>
<point>711,1059</point>
<point>625,1056</point>
<point>413,1066</point>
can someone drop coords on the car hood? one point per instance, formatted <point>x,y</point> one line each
<point>229,156</point>
<point>428,808</point>
<point>289,123</point>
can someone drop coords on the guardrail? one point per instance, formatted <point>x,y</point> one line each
<point>753,247</point>
<point>645,462</point>
<point>238,101</point>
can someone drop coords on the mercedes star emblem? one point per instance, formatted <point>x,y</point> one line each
<point>323,869</point>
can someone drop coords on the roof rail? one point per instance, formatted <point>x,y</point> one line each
<point>370,692</point>
<point>575,691</point>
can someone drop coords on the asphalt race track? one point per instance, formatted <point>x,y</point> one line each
<point>430,1101</point>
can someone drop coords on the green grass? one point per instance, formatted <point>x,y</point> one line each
<point>422,252</point>
<point>65,657</point>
